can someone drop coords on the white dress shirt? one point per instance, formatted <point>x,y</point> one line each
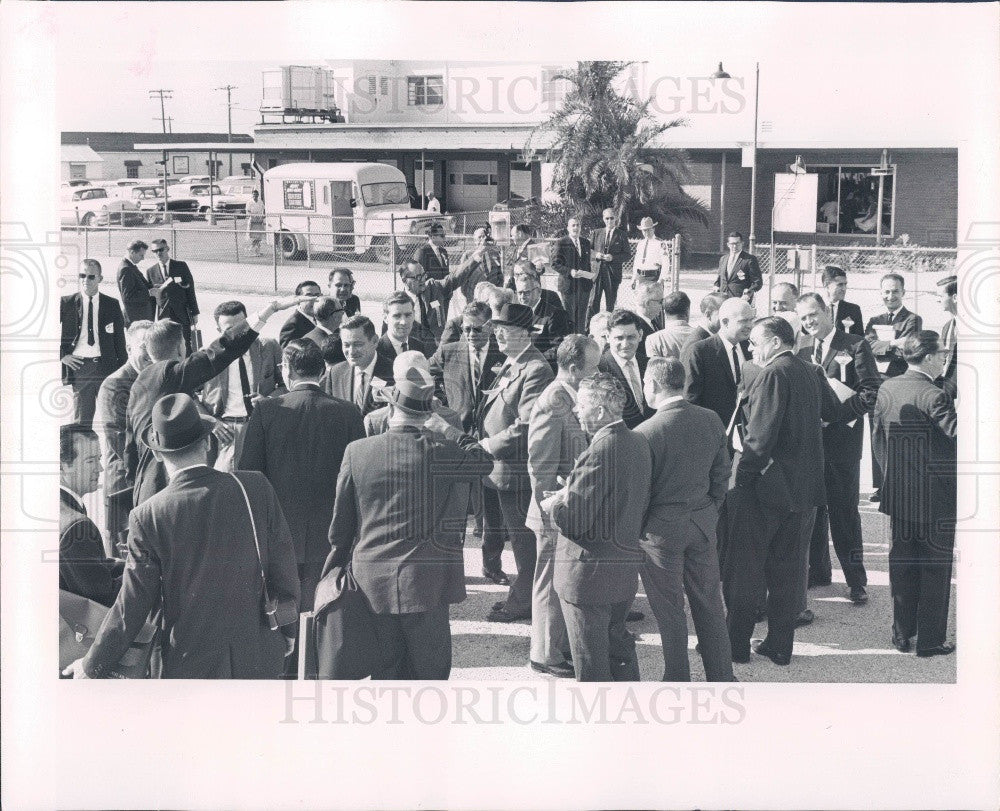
<point>235,404</point>
<point>649,255</point>
<point>631,371</point>
<point>729,356</point>
<point>82,348</point>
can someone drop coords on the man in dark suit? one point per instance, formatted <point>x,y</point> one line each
<point>549,298</point>
<point>397,328</point>
<point>365,371</point>
<point>948,296</point>
<point>174,285</point>
<point>112,404</point>
<point>481,263</point>
<point>739,272</point>
<point>204,552</point>
<point>329,314</point>
<point>550,324</point>
<point>847,359</point>
<point>301,322</point>
<point>340,285</point>
<point>232,395</point>
<point>599,514</point>
<point>572,263</point>
<point>432,255</point>
<point>915,440</point>
<point>401,498</point>
<point>779,483</point>
<point>298,440</point>
<point>92,345</point>
<point>649,309</point>
<point>172,372</point>
<point>713,366</point>
<point>886,333</point>
<point>846,316</point>
<point>709,325</point>
<point>84,568</point>
<point>621,361</point>
<point>519,251</point>
<point>430,299</point>
<point>136,293</point>
<point>691,469</point>
<point>502,423</point>
<point>610,250</point>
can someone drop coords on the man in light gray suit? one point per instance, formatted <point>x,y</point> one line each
<point>690,477</point>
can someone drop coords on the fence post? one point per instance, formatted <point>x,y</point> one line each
<point>675,269</point>
<point>770,278</point>
<point>308,241</point>
<point>392,249</point>
<point>173,238</point>
<point>813,260</point>
<point>111,218</point>
<point>86,243</point>
<point>236,239</point>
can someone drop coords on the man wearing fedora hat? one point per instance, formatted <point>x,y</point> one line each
<point>502,421</point>
<point>198,554</point>
<point>398,519</point>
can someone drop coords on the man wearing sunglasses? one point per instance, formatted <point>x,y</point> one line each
<point>93,340</point>
<point>175,298</point>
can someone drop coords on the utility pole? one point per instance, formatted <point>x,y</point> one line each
<point>229,88</point>
<point>163,94</point>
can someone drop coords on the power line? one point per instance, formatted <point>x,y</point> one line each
<point>163,94</point>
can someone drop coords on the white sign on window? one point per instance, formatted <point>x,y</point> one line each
<point>795,200</point>
<point>703,194</point>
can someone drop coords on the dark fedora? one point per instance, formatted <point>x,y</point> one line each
<point>514,315</point>
<point>177,423</point>
<point>414,392</point>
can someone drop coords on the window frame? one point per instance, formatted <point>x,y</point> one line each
<point>857,167</point>
<point>417,86</point>
<point>305,205</point>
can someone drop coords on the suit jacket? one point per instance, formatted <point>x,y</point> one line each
<point>646,329</point>
<point>453,328</point>
<point>110,335</point>
<point>178,301</point>
<point>319,336</point>
<point>450,368</point>
<point>147,475</point>
<point>698,333</point>
<point>436,296</point>
<point>597,553</point>
<point>265,365</point>
<point>852,311</point>
<point>709,379</point>
<point>388,351</point>
<point>110,423</point>
<point>949,377</point>
<point>352,306</point>
<point>746,275</point>
<point>914,440</point>
<point>633,414</point>
<point>297,440</point>
<point>669,341</point>
<point>839,439</point>
<point>515,253</point>
<point>691,469</point>
<point>567,258</point>
<point>297,326</point>
<point>619,249</point>
<point>134,290</point>
<point>83,567</point>
<point>469,273</point>
<point>399,516</point>
<point>555,441</point>
<point>191,553</point>
<point>503,416</point>
<point>377,421</point>
<point>550,324</point>
<point>339,381</point>
<point>434,268</point>
<point>787,401</point>
<point>904,323</point>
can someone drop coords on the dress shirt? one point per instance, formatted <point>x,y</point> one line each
<point>369,370</point>
<point>473,355</point>
<point>630,368</point>
<point>397,345</point>
<point>76,498</point>
<point>188,467</point>
<point>302,384</point>
<point>82,348</point>
<point>732,262</point>
<point>235,404</point>
<point>822,346</point>
<point>673,399</point>
<point>729,356</point>
<point>833,310</point>
<point>649,254</point>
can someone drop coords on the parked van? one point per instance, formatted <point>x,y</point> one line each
<point>341,207</point>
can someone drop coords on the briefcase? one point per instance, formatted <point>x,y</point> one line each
<point>79,621</point>
<point>343,634</point>
<point>772,488</point>
<point>196,340</point>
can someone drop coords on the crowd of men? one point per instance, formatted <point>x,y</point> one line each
<point>714,460</point>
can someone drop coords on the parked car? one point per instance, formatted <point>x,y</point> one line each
<point>121,188</point>
<point>150,200</point>
<point>188,179</point>
<point>235,195</point>
<point>93,206</point>
<point>205,193</point>
<point>79,181</point>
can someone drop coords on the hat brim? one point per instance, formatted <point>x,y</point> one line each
<point>207,426</point>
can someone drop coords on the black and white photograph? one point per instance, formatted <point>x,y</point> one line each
<point>514,382</point>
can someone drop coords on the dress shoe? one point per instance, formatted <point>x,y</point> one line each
<point>503,615</point>
<point>498,605</point>
<point>634,616</point>
<point>761,648</point>
<point>859,595</point>
<point>804,618</point>
<point>814,582</point>
<point>563,670</point>
<point>875,497</point>
<point>941,650</point>
<point>496,576</point>
<point>902,644</point>
<point>741,659</point>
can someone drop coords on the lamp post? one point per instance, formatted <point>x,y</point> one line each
<point>721,74</point>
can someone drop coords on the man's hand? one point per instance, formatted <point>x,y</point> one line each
<point>194,321</point>
<point>551,500</point>
<point>880,347</point>
<point>436,423</point>
<point>747,295</point>
<point>574,273</point>
<point>290,301</point>
<point>71,361</point>
<point>75,670</point>
<point>898,342</point>
<point>224,432</point>
<point>289,646</point>
<point>256,398</point>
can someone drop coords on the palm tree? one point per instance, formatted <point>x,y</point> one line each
<point>602,143</point>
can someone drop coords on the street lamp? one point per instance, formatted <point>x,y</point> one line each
<point>722,74</point>
<point>796,169</point>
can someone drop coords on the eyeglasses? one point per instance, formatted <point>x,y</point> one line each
<point>474,330</point>
<point>88,276</point>
<point>160,250</point>
<point>419,278</point>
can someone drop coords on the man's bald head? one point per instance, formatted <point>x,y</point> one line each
<point>736,319</point>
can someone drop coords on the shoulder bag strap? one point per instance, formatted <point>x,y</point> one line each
<point>256,541</point>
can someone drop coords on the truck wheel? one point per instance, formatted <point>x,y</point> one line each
<point>88,220</point>
<point>288,245</point>
<point>150,218</point>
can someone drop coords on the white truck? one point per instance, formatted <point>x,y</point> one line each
<point>342,208</point>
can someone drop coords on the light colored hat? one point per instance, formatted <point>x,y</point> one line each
<point>647,222</point>
<point>414,392</point>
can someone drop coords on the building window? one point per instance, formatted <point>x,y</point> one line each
<point>554,89</point>
<point>214,168</point>
<point>181,165</point>
<point>847,200</point>
<point>245,168</point>
<point>132,168</point>
<point>383,86</point>
<point>298,195</point>
<point>472,179</point>
<point>372,85</point>
<point>424,91</point>
<point>77,171</point>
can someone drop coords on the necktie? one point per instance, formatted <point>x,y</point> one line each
<point>90,321</point>
<point>633,380</point>
<point>607,239</point>
<point>835,305</point>
<point>949,334</point>
<point>245,385</point>
<point>736,366</point>
<point>477,367</point>
<point>818,353</point>
<point>405,345</point>
<point>423,309</point>
<point>645,247</point>
<point>359,393</point>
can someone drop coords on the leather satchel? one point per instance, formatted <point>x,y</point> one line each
<point>343,642</point>
<point>79,621</point>
<point>772,488</point>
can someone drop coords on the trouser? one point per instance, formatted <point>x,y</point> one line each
<point>841,522</point>
<point>808,522</point>
<point>690,568</point>
<point>602,648</point>
<point>86,383</point>
<point>577,302</point>
<point>414,646</point>
<point>876,467</point>
<point>507,510</point>
<point>920,563</point>
<point>548,628</point>
<point>229,452</point>
<point>764,554</point>
<point>605,284</point>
